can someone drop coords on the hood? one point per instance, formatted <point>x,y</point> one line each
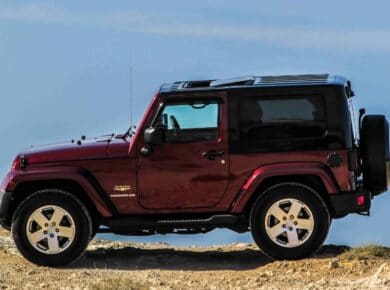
<point>85,149</point>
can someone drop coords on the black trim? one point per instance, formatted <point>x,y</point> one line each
<point>344,203</point>
<point>101,192</point>
<point>168,223</point>
<point>5,203</point>
<point>353,160</point>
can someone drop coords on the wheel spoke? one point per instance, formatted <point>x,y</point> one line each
<point>294,228</point>
<point>295,209</point>
<point>57,216</point>
<point>276,230</point>
<point>305,224</point>
<point>47,235</point>
<point>292,238</point>
<point>66,232</point>
<point>40,219</point>
<point>37,236</point>
<point>277,212</point>
<point>53,244</point>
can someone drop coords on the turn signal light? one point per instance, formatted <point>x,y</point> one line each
<point>16,164</point>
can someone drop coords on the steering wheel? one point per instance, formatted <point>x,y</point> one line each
<point>175,124</point>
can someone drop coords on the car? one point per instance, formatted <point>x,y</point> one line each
<point>279,156</point>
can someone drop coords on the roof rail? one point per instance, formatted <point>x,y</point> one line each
<point>261,81</point>
<point>292,78</point>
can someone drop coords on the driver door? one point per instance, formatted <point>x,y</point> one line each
<point>190,168</point>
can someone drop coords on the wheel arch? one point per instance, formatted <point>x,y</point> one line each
<point>312,181</point>
<point>314,176</point>
<point>82,191</point>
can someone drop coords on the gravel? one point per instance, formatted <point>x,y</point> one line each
<point>123,265</point>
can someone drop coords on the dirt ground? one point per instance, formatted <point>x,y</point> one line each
<point>121,265</point>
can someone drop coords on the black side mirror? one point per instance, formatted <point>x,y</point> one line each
<point>154,136</point>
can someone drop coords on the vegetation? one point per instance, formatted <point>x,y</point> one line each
<point>367,252</point>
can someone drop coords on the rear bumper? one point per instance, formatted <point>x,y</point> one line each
<point>5,202</point>
<point>344,203</point>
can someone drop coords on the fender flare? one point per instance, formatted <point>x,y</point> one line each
<point>283,169</point>
<point>82,177</point>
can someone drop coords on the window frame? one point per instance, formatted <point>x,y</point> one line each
<point>239,146</point>
<point>187,101</point>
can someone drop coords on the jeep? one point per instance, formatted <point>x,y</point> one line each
<point>280,156</point>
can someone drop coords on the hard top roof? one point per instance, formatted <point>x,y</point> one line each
<point>253,81</point>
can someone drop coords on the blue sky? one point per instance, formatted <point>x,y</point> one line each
<point>65,66</point>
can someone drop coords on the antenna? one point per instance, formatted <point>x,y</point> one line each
<point>131,95</point>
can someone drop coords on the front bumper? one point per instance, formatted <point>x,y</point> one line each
<point>5,202</point>
<point>344,203</point>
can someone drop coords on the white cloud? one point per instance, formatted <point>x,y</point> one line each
<point>137,21</point>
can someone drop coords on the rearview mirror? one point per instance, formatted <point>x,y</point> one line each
<point>153,136</point>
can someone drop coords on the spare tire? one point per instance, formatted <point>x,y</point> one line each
<point>374,150</point>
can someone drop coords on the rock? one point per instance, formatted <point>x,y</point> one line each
<point>333,264</point>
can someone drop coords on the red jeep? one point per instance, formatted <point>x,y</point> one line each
<point>276,155</point>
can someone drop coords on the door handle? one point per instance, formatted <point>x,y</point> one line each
<point>212,155</point>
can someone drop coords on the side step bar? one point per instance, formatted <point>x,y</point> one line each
<point>138,223</point>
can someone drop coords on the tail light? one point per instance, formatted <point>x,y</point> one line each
<point>361,200</point>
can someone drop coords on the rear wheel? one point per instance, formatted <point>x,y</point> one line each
<point>51,228</point>
<point>289,221</point>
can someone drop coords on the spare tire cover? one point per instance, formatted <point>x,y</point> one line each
<point>374,150</point>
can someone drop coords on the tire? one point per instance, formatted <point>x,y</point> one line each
<point>52,244</point>
<point>290,242</point>
<point>374,150</point>
<point>94,231</point>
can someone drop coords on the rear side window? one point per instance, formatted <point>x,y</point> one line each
<point>290,109</point>
<point>187,122</point>
<point>280,123</point>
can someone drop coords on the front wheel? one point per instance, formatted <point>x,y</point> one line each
<point>289,221</point>
<point>51,228</point>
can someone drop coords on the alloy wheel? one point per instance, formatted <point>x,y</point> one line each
<point>289,223</point>
<point>50,229</point>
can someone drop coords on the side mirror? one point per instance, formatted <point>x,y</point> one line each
<point>154,136</point>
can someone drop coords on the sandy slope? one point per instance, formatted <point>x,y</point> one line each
<point>108,265</point>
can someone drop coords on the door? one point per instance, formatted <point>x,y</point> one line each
<point>190,168</point>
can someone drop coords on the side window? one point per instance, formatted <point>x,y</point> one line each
<point>281,123</point>
<point>189,122</point>
<point>290,110</point>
